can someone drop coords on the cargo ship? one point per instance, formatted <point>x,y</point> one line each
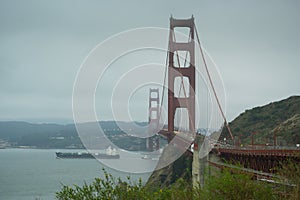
<point>111,153</point>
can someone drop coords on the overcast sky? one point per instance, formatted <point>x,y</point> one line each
<point>255,44</point>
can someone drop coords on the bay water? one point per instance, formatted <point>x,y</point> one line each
<point>38,174</point>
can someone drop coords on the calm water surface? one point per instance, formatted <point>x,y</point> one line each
<point>37,174</point>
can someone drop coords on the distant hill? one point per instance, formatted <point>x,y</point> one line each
<point>15,130</point>
<point>16,134</point>
<point>44,135</point>
<point>282,117</point>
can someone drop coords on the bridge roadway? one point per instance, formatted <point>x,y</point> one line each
<point>264,160</point>
<point>260,152</point>
<point>259,162</point>
<point>182,141</point>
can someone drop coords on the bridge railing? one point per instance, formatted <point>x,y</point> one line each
<point>269,147</point>
<point>267,152</point>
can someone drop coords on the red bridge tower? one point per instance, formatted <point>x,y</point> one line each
<point>188,101</point>
<point>154,112</point>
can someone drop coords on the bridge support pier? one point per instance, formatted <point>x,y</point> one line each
<point>204,169</point>
<point>196,166</point>
<point>200,166</point>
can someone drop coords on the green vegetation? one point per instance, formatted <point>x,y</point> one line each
<point>110,188</point>
<point>180,169</point>
<point>224,185</point>
<point>281,118</point>
<point>291,173</point>
<point>234,186</point>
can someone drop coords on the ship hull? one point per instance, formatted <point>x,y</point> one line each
<point>77,155</point>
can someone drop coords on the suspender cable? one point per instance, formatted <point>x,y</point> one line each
<point>212,85</point>
<point>163,90</point>
<point>185,60</point>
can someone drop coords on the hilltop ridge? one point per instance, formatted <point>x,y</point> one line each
<point>281,117</point>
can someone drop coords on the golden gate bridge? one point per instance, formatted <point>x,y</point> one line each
<point>260,162</point>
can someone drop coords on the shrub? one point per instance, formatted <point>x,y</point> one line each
<point>221,186</point>
<point>290,177</point>
<point>234,186</point>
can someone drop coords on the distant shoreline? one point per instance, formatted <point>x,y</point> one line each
<point>42,148</point>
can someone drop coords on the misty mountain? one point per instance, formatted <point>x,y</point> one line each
<point>18,133</point>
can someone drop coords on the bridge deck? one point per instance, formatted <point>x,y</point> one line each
<point>265,160</point>
<point>261,152</point>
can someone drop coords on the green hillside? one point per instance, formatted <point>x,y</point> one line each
<point>281,118</point>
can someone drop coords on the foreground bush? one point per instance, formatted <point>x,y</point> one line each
<point>222,186</point>
<point>291,188</point>
<point>235,186</point>
<point>109,189</point>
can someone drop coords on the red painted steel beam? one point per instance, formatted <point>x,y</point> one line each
<point>189,72</point>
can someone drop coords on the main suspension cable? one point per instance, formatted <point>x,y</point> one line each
<point>212,85</point>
